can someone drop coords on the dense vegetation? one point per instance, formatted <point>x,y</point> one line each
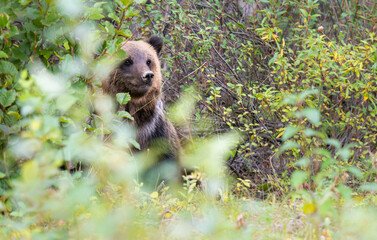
<point>275,102</point>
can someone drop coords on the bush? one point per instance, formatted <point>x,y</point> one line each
<point>247,58</point>
<point>301,96</point>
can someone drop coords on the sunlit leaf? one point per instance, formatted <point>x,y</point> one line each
<point>287,146</point>
<point>30,171</point>
<point>304,12</point>
<point>356,172</point>
<point>345,191</point>
<point>8,67</point>
<point>369,187</point>
<point>308,208</point>
<point>180,113</point>
<point>7,97</point>
<point>298,178</point>
<point>124,114</point>
<point>312,115</point>
<point>303,162</point>
<point>310,132</point>
<point>123,98</point>
<point>289,132</point>
<point>3,54</point>
<point>64,102</point>
<point>134,143</point>
<point>333,142</point>
<point>154,195</point>
<point>4,20</point>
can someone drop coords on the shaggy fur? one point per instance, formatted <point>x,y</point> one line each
<point>140,76</point>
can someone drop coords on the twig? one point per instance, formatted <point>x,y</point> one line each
<point>230,68</point>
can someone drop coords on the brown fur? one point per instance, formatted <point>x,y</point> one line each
<point>146,104</point>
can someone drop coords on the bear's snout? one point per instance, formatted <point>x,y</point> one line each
<point>147,77</point>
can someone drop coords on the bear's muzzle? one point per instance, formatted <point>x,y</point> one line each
<point>148,77</point>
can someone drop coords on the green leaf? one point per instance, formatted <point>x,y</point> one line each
<point>369,187</point>
<point>124,114</point>
<point>303,162</point>
<point>305,94</point>
<point>310,132</point>
<point>24,2</point>
<point>64,102</point>
<point>128,33</point>
<point>333,142</point>
<point>3,54</point>
<point>289,132</point>
<point>291,100</point>
<point>30,171</point>
<point>123,98</point>
<point>50,19</point>
<point>312,115</point>
<point>304,12</point>
<point>273,59</point>
<point>124,3</point>
<point>66,120</point>
<point>15,114</point>
<point>5,129</point>
<point>8,68</point>
<point>2,175</point>
<point>344,153</point>
<point>240,25</point>
<point>95,13</point>
<point>95,16</point>
<point>7,97</point>
<point>123,33</point>
<point>298,177</point>
<point>288,145</point>
<point>120,54</point>
<point>134,143</point>
<point>356,172</point>
<point>323,152</point>
<point>180,113</point>
<point>345,191</point>
<point>114,17</point>
<point>4,20</point>
<point>131,12</point>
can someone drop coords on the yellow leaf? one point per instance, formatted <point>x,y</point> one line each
<point>66,46</point>
<point>168,215</point>
<point>30,171</point>
<point>154,195</point>
<point>365,97</point>
<point>35,125</point>
<point>275,37</point>
<point>281,133</point>
<point>308,208</point>
<point>23,74</point>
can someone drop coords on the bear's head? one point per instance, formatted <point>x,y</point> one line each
<point>140,72</point>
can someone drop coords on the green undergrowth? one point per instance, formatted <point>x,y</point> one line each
<point>246,59</point>
<point>290,152</point>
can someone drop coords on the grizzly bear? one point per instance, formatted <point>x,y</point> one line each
<point>140,75</point>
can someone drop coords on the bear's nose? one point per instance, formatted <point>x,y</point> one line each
<point>148,76</point>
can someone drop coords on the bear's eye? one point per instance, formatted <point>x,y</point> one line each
<point>128,62</point>
<point>149,62</point>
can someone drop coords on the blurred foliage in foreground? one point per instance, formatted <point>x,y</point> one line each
<point>306,100</point>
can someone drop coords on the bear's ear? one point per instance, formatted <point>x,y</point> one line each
<point>156,42</point>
